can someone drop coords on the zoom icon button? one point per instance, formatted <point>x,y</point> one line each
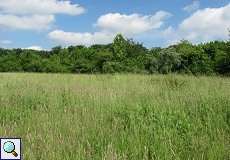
<point>10,149</point>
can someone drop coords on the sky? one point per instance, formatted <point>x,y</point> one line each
<point>43,24</point>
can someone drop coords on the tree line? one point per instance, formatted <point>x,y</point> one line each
<point>122,56</point>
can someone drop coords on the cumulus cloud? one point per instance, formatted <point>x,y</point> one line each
<point>40,7</point>
<point>206,24</point>
<point>34,22</point>
<point>202,26</point>
<point>34,14</point>
<point>36,48</point>
<point>195,5</point>
<point>131,24</point>
<point>109,25</point>
<point>74,38</point>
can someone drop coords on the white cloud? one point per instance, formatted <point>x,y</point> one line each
<point>34,22</point>
<point>34,14</point>
<point>202,26</point>
<point>40,7</point>
<point>195,5</point>
<point>5,42</point>
<point>36,48</point>
<point>170,35</point>
<point>131,24</point>
<point>207,24</point>
<point>73,38</point>
<point>109,25</point>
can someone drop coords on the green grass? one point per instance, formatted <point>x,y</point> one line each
<point>116,117</point>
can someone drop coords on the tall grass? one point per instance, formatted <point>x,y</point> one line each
<point>116,117</point>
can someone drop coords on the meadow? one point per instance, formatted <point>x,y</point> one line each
<point>116,117</point>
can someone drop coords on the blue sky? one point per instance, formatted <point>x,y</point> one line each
<point>46,23</point>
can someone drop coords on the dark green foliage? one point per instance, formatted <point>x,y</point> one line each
<point>120,46</point>
<point>194,59</point>
<point>223,60</point>
<point>122,56</point>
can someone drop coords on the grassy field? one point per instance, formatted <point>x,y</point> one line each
<point>116,117</point>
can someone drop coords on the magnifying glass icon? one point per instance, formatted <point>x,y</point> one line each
<point>9,147</point>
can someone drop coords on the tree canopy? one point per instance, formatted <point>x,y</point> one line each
<point>122,56</point>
